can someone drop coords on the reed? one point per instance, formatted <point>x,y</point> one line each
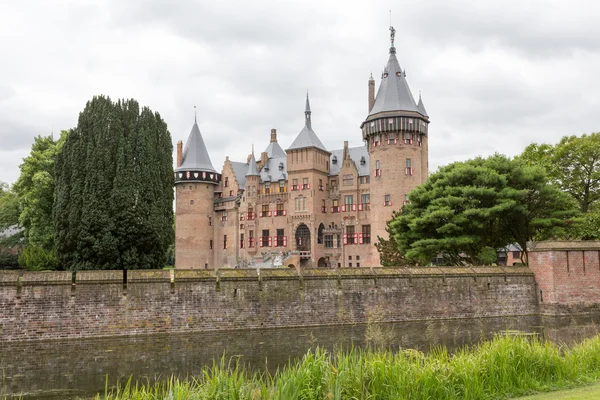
<point>507,366</point>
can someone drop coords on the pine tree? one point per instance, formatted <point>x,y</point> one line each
<point>114,192</point>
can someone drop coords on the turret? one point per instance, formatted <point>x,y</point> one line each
<point>395,131</point>
<point>371,92</point>
<point>195,182</point>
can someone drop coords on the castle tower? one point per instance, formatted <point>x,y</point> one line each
<point>396,131</point>
<point>195,182</point>
<point>308,171</point>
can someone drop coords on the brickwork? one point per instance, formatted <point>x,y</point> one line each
<point>49,306</point>
<point>568,276</point>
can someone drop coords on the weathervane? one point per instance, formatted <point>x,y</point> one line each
<point>195,114</point>
<point>392,34</point>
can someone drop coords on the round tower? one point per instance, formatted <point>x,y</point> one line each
<point>395,132</point>
<point>195,183</point>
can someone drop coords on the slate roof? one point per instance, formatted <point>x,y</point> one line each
<point>195,155</point>
<point>393,93</point>
<point>356,155</point>
<point>275,170</point>
<point>307,137</point>
<point>274,150</point>
<point>240,169</point>
<point>421,107</point>
<point>252,169</point>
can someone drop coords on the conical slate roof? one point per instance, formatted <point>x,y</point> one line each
<point>252,170</point>
<point>421,107</point>
<point>195,156</point>
<point>307,137</point>
<point>393,93</point>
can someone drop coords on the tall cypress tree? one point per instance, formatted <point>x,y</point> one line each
<point>114,189</point>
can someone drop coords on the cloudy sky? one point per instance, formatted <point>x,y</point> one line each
<point>494,75</point>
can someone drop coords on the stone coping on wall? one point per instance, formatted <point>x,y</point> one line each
<point>565,245</point>
<point>158,275</point>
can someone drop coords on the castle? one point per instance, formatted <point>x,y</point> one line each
<point>305,206</point>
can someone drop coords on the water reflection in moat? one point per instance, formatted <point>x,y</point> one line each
<point>78,368</point>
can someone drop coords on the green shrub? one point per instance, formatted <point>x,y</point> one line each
<point>9,261</point>
<point>35,258</point>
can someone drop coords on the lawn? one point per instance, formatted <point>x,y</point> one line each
<point>582,393</point>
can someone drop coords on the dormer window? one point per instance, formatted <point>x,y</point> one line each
<point>281,166</point>
<point>334,160</point>
<point>363,161</point>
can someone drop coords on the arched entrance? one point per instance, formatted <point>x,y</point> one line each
<point>322,263</point>
<point>302,238</point>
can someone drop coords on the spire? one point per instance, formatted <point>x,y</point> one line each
<point>421,107</point>
<point>252,170</point>
<point>195,115</point>
<point>307,137</point>
<point>195,156</point>
<point>394,93</point>
<point>307,112</point>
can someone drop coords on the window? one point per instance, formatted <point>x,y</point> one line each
<point>280,238</point>
<point>334,183</point>
<point>209,221</point>
<point>366,234</point>
<point>281,186</point>
<point>242,226</point>
<point>295,184</point>
<point>241,241</point>
<point>336,207</point>
<point>300,203</point>
<point>408,138</point>
<point>265,211</point>
<point>321,185</point>
<point>226,181</point>
<point>365,202</point>
<point>231,193</point>
<point>223,215</point>
<point>279,212</point>
<point>323,206</point>
<point>377,141</point>
<point>328,241</point>
<point>305,184</point>
<point>348,200</point>
<point>391,138</point>
<point>265,240</point>
<point>267,187</point>
<point>350,234</point>
<point>348,180</point>
<point>224,241</point>
<point>516,254</point>
<point>364,179</point>
<point>377,168</point>
<point>388,201</point>
<point>406,200</point>
<point>419,140</point>
<point>191,202</point>
<point>211,244</point>
<point>339,242</point>
<point>320,233</point>
<point>251,239</point>
<point>408,170</point>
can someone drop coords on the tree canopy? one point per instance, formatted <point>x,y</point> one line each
<point>113,205</point>
<point>468,210</point>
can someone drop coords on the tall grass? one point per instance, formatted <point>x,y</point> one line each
<point>506,366</point>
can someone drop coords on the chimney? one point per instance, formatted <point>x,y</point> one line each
<point>273,135</point>
<point>346,152</point>
<point>371,92</point>
<point>264,157</point>
<point>179,153</point>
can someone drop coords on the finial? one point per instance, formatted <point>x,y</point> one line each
<point>392,34</point>
<point>195,121</point>
<point>252,148</point>
<point>371,77</point>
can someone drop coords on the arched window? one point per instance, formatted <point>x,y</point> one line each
<point>320,234</point>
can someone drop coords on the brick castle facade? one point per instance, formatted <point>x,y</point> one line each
<point>305,206</point>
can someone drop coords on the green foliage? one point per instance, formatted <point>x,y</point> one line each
<point>389,253</point>
<point>35,258</point>
<point>573,164</point>
<point>9,207</point>
<point>468,207</point>
<point>8,260</point>
<point>505,367</point>
<point>114,189</point>
<point>35,190</point>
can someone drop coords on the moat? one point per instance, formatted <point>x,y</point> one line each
<point>78,368</point>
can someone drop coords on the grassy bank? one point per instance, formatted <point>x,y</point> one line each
<point>504,367</point>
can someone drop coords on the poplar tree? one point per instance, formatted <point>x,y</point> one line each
<point>113,204</point>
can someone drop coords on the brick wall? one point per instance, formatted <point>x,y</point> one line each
<point>568,276</point>
<point>48,305</point>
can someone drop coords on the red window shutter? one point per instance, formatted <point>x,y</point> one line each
<point>247,216</point>
<point>360,238</point>
<point>344,208</point>
<point>270,213</point>
<point>331,209</point>
<point>260,242</point>
<point>390,202</point>
<point>345,239</point>
<point>355,238</point>
<point>249,243</point>
<point>360,207</point>
<point>284,241</point>
<point>284,213</point>
<point>353,207</point>
<point>384,203</point>
<point>270,242</point>
<point>308,186</point>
